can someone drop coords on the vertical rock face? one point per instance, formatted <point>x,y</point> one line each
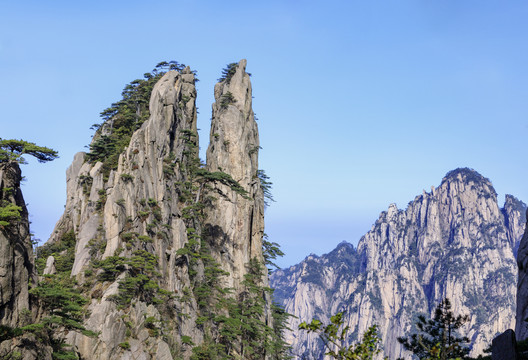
<point>515,217</point>
<point>453,242</point>
<point>163,220</point>
<point>17,271</point>
<point>521,328</point>
<point>236,224</point>
<point>16,262</point>
<point>135,207</point>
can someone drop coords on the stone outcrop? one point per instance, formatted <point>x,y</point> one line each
<point>102,211</point>
<point>17,269</point>
<point>504,346</point>
<point>236,224</point>
<point>451,242</point>
<point>161,200</point>
<point>521,328</point>
<point>16,262</point>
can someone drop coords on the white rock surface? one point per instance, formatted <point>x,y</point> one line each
<point>453,242</point>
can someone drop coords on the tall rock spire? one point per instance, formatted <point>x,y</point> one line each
<point>162,241</point>
<point>236,225</point>
<point>17,270</point>
<point>16,260</point>
<point>135,207</point>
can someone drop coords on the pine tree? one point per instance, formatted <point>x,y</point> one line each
<point>335,336</point>
<point>438,337</point>
<point>12,150</point>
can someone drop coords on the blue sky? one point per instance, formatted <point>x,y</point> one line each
<point>360,103</point>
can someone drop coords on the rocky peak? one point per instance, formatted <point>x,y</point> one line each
<point>453,241</point>
<point>236,226</point>
<point>515,217</point>
<point>159,242</point>
<point>467,176</point>
<point>233,142</point>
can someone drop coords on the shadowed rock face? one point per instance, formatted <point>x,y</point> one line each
<point>16,262</point>
<point>452,242</point>
<point>17,271</point>
<point>521,328</point>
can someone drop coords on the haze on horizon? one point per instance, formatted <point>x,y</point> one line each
<point>360,104</point>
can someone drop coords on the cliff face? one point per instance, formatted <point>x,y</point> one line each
<point>16,263</point>
<point>17,269</point>
<point>109,216</point>
<point>452,242</point>
<point>236,225</point>
<point>521,328</point>
<point>160,238</point>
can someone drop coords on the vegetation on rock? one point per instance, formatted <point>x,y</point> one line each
<point>12,150</point>
<point>124,117</point>
<point>438,338</point>
<point>335,338</point>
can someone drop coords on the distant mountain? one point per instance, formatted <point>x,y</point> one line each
<point>454,242</point>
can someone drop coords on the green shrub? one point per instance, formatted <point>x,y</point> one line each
<point>127,115</point>
<point>63,250</point>
<point>9,213</point>
<point>228,72</point>
<point>127,177</point>
<point>111,266</point>
<point>145,238</point>
<point>226,100</point>
<point>152,202</point>
<point>187,340</point>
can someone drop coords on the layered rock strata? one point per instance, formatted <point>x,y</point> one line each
<point>451,242</point>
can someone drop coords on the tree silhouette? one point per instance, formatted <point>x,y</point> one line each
<point>12,150</point>
<point>438,337</point>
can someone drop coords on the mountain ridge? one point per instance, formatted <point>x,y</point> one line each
<point>409,260</point>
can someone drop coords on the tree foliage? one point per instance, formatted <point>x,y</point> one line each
<point>124,117</point>
<point>234,324</point>
<point>335,336</point>
<point>228,72</point>
<point>438,337</point>
<point>265,185</point>
<point>270,251</point>
<point>9,213</point>
<point>12,150</point>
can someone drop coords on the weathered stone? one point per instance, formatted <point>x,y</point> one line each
<point>452,242</point>
<point>16,260</point>
<point>17,272</point>
<point>236,224</point>
<point>50,266</point>
<point>504,346</point>
<point>142,199</point>
<point>522,288</point>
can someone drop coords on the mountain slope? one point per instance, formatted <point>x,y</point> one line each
<point>452,242</point>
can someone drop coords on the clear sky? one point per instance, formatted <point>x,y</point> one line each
<point>360,103</point>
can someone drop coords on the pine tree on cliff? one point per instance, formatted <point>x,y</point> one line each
<point>437,337</point>
<point>12,150</point>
